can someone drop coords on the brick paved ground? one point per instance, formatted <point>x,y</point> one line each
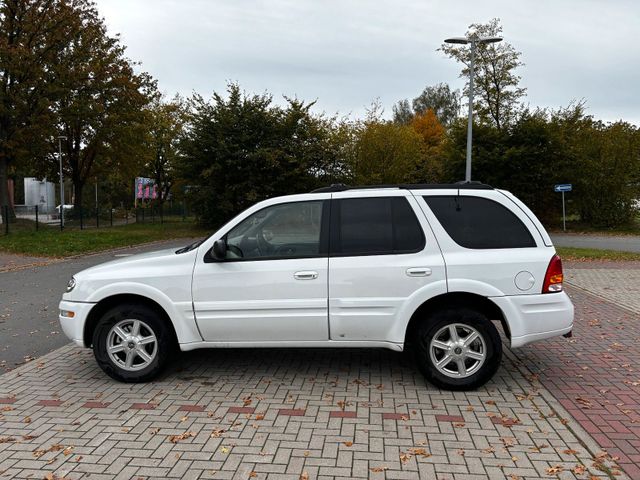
<point>617,282</point>
<point>596,374</point>
<point>282,414</point>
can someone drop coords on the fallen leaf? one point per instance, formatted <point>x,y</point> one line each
<point>578,469</point>
<point>182,436</point>
<point>555,469</point>
<point>217,432</point>
<point>419,452</point>
<point>570,451</point>
<point>379,469</point>
<point>27,419</point>
<point>348,444</point>
<point>304,476</point>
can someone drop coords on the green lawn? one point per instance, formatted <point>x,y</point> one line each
<point>571,253</point>
<point>51,242</point>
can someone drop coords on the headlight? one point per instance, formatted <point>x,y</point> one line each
<point>71,285</point>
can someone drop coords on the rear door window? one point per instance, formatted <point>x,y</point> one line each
<point>374,226</point>
<point>479,223</point>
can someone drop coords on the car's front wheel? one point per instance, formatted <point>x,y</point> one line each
<point>132,343</point>
<point>458,349</point>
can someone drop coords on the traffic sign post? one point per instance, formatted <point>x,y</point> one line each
<point>563,187</point>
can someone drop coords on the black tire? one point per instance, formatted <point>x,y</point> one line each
<point>165,342</point>
<point>484,327</point>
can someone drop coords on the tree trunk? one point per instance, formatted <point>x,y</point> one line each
<point>78,185</point>
<point>4,192</point>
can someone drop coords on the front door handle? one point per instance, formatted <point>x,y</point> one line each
<point>305,275</point>
<point>419,272</point>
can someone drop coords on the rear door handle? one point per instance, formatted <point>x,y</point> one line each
<point>305,275</point>
<point>419,272</point>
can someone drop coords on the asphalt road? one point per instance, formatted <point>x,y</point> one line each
<point>29,300</point>
<point>627,243</point>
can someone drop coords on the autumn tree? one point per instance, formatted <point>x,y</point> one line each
<point>165,125</point>
<point>32,35</point>
<point>429,165</point>
<point>100,104</point>
<point>496,83</point>
<point>386,152</point>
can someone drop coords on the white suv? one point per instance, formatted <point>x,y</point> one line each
<point>425,266</point>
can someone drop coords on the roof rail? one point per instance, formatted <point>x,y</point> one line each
<point>340,187</point>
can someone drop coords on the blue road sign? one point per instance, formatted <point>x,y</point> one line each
<point>563,187</point>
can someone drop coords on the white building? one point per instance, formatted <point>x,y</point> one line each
<point>40,193</point>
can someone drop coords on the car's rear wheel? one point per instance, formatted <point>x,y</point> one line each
<point>458,349</point>
<point>132,343</point>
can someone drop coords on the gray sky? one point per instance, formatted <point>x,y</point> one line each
<point>348,53</point>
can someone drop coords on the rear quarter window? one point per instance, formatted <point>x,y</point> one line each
<point>479,223</point>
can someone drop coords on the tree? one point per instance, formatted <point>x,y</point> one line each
<point>242,149</point>
<point>443,101</point>
<point>496,82</point>
<point>429,167</point>
<point>100,104</point>
<point>166,121</point>
<point>32,34</point>
<point>386,152</point>
<point>402,112</point>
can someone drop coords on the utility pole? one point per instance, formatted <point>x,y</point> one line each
<point>60,138</point>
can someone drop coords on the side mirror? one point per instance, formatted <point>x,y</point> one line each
<point>219,250</point>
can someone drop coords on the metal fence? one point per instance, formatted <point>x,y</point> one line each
<point>35,218</point>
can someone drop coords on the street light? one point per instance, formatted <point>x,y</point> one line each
<point>473,41</point>
<point>60,138</point>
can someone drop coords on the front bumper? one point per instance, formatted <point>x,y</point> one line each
<point>536,317</point>
<point>73,327</point>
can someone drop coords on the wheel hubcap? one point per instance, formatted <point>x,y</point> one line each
<point>457,350</point>
<point>132,345</point>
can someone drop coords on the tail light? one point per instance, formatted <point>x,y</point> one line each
<point>554,276</point>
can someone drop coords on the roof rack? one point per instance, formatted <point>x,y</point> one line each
<point>340,187</point>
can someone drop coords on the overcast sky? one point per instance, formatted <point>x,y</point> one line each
<point>347,53</point>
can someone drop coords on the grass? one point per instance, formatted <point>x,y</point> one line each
<point>585,254</point>
<point>575,226</point>
<point>51,242</point>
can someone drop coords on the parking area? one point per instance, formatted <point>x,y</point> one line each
<point>561,409</point>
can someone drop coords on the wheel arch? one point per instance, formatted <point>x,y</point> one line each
<point>112,301</point>
<point>472,301</point>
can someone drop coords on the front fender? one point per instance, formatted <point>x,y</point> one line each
<point>180,313</point>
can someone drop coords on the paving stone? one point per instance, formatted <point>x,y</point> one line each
<point>330,413</point>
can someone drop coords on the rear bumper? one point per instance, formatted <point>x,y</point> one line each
<point>74,327</point>
<point>535,317</point>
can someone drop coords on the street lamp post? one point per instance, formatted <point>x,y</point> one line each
<point>473,42</point>
<point>60,138</point>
